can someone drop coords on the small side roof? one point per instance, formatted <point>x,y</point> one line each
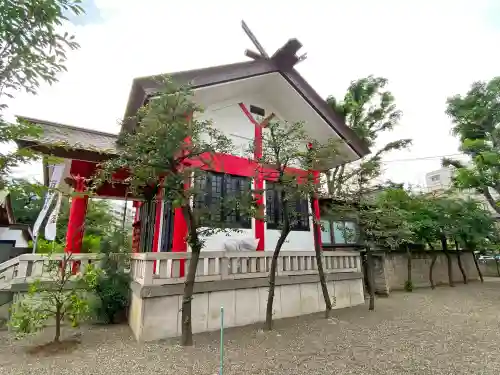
<point>67,141</point>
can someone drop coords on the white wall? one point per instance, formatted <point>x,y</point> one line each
<point>228,117</point>
<point>7,234</point>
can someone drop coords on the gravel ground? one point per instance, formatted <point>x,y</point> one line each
<point>446,331</point>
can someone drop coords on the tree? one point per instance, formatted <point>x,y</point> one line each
<point>369,110</point>
<point>168,146</point>
<point>32,51</point>
<point>475,116</point>
<point>110,282</point>
<point>384,224</point>
<point>475,228</point>
<point>425,225</point>
<point>59,298</point>
<point>286,145</point>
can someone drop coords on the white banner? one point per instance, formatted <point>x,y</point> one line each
<point>51,227</point>
<point>57,174</point>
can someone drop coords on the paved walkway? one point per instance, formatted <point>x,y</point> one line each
<point>446,331</point>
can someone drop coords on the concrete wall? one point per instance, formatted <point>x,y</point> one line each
<point>159,316</point>
<point>489,268</point>
<point>391,270</point>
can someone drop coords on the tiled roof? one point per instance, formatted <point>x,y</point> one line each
<point>72,137</point>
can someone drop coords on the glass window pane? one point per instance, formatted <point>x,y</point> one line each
<point>338,232</point>
<point>350,232</point>
<point>326,232</point>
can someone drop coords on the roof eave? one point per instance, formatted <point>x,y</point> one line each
<point>143,87</point>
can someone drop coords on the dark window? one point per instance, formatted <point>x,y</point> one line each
<point>147,216</point>
<point>274,210</point>
<point>217,199</point>
<point>167,227</point>
<point>257,110</point>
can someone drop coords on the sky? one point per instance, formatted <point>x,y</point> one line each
<point>427,49</point>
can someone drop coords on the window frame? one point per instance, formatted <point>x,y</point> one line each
<point>274,211</point>
<point>333,240</point>
<point>205,196</point>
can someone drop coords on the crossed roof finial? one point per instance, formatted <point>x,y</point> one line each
<point>284,56</point>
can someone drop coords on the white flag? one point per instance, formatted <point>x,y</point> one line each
<point>51,227</point>
<point>57,174</point>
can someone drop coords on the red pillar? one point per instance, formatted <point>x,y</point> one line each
<point>259,180</point>
<point>179,244</point>
<point>136,231</point>
<point>76,223</point>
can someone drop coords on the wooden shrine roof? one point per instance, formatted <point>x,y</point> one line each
<point>70,141</point>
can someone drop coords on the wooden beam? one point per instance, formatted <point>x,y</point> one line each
<point>254,40</point>
<point>288,51</point>
<point>253,55</point>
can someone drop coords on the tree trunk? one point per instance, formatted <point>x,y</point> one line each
<point>477,267</point>
<point>431,269</point>
<point>460,265</point>
<point>319,263</point>
<point>433,262</point>
<point>491,200</point>
<point>187,329</point>
<point>268,325</point>
<point>194,242</point>
<point>371,281</point>
<point>498,269</point>
<point>444,244</point>
<point>57,336</point>
<point>340,177</point>
<point>409,283</point>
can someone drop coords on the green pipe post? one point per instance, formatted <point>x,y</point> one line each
<point>221,368</point>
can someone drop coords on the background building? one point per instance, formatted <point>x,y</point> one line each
<point>441,180</point>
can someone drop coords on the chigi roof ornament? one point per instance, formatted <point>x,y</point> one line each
<point>285,57</point>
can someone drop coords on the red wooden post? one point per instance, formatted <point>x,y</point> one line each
<point>136,231</point>
<point>76,223</point>
<point>259,178</point>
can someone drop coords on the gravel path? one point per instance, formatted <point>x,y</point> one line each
<point>446,331</point>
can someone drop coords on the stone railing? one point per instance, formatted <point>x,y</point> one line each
<point>165,268</point>
<point>28,267</point>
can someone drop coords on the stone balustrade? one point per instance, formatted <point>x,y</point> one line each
<point>165,268</point>
<point>27,267</point>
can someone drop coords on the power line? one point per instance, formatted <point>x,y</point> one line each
<point>421,158</point>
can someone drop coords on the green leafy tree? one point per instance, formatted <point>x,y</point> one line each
<point>384,224</point>
<point>425,226</point>
<point>476,116</point>
<point>59,296</point>
<point>475,228</point>
<point>169,145</point>
<point>32,51</point>
<point>369,109</point>
<point>286,145</point>
<point>111,282</point>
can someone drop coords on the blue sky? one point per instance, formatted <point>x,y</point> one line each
<point>92,14</point>
<point>428,49</point>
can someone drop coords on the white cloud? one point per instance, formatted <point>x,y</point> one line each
<point>427,49</point>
